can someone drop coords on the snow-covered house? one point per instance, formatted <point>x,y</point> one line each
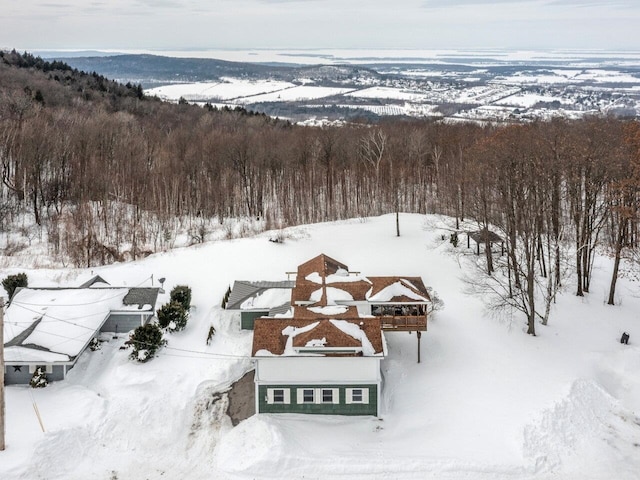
<point>51,327</point>
<point>323,355</point>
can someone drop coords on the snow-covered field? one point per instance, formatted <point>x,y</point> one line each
<point>298,93</point>
<point>528,99</point>
<point>486,402</point>
<point>244,91</point>
<point>389,93</point>
<point>228,89</point>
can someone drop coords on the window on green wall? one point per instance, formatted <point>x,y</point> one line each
<point>278,395</point>
<point>357,395</point>
<point>308,395</point>
<point>327,395</point>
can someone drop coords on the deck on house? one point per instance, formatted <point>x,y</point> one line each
<point>391,323</point>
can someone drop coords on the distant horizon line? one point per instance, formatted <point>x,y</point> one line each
<point>306,49</point>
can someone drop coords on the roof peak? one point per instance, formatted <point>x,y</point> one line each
<point>323,264</point>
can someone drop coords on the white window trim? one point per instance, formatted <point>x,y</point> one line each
<point>335,396</point>
<point>365,396</point>
<point>271,400</point>
<point>300,393</point>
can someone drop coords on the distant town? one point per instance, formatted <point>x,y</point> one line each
<point>312,87</point>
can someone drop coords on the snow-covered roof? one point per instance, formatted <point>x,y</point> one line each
<point>267,299</point>
<point>96,281</point>
<point>324,281</point>
<point>140,299</point>
<point>329,337</point>
<point>58,323</point>
<point>24,355</point>
<point>246,295</point>
<point>324,318</point>
<point>395,289</point>
<point>329,310</point>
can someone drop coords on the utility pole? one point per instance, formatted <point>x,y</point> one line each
<point>1,374</point>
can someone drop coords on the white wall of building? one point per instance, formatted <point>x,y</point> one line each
<point>318,369</point>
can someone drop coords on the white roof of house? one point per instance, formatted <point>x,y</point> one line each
<point>32,355</point>
<point>56,321</point>
<point>249,295</point>
<point>268,298</point>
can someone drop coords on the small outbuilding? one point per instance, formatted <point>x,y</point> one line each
<point>485,236</point>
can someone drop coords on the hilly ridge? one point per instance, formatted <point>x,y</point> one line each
<point>150,70</point>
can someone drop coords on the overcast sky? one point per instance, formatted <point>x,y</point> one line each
<point>242,24</point>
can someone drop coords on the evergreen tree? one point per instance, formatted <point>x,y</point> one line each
<point>172,316</point>
<point>212,332</point>
<point>225,299</point>
<point>182,295</point>
<point>39,379</point>
<point>145,340</point>
<point>12,282</point>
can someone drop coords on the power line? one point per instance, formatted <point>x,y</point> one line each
<point>134,341</point>
<point>211,354</point>
<point>205,354</point>
<point>54,319</point>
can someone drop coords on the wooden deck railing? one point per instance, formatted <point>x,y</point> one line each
<point>403,324</point>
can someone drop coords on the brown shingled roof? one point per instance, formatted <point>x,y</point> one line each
<point>325,266</point>
<point>358,290</point>
<point>322,264</point>
<point>303,290</point>
<point>305,314</point>
<point>333,336</point>
<point>267,334</point>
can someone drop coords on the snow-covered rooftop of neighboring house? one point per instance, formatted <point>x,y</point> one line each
<point>96,282</point>
<point>300,337</point>
<point>247,295</point>
<point>60,321</point>
<point>138,298</point>
<point>24,355</point>
<point>267,299</point>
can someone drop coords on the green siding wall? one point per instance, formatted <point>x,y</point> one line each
<point>341,408</point>
<point>123,323</point>
<point>248,318</point>
<point>13,377</point>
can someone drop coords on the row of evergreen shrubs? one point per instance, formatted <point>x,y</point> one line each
<point>225,299</point>
<point>172,317</point>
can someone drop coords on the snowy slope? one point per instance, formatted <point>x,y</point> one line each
<point>487,401</point>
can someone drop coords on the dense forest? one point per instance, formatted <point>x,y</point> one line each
<point>104,170</point>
